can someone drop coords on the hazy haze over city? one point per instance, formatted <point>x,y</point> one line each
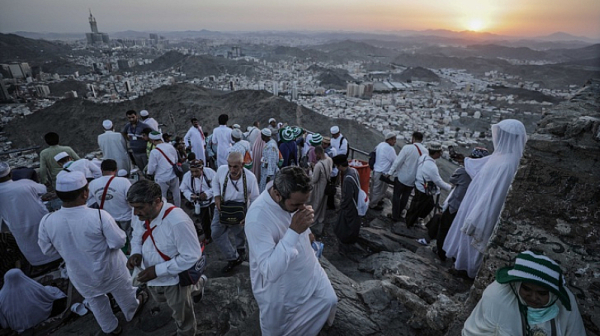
<point>509,17</point>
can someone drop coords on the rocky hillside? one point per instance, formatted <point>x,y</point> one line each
<point>554,204</point>
<point>198,66</point>
<point>78,121</point>
<point>17,48</point>
<point>417,74</point>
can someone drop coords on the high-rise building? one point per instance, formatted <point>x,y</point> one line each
<point>95,37</point>
<point>275,88</point>
<point>4,96</point>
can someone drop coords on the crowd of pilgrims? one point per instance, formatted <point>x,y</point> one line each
<point>259,195</point>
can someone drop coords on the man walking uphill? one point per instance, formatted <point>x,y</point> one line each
<point>293,292</point>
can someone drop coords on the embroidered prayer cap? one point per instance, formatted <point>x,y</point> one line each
<point>272,120</point>
<point>316,139</point>
<point>334,130</point>
<point>70,181</point>
<point>122,173</point>
<point>390,135</point>
<point>287,134</point>
<point>144,113</point>
<point>107,124</point>
<point>237,133</point>
<point>434,146</point>
<point>154,135</point>
<point>197,164</point>
<point>4,169</point>
<point>326,140</point>
<point>266,132</point>
<point>297,131</point>
<point>60,156</point>
<point>537,269</point>
<point>479,152</point>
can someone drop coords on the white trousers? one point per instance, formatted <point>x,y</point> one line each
<point>124,295</point>
<point>173,186</point>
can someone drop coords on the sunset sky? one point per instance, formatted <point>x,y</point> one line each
<point>505,17</point>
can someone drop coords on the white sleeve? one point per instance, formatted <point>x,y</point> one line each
<point>186,187</point>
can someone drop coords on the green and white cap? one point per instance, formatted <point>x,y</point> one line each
<point>316,139</point>
<point>539,270</point>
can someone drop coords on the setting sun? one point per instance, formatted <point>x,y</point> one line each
<point>475,25</point>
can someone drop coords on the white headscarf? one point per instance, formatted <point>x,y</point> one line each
<point>24,302</point>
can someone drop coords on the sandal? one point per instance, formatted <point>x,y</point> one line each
<point>142,297</point>
<point>197,298</point>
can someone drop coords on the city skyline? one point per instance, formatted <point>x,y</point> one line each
<point>510,17</point>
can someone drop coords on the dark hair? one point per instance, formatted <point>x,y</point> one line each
<point>51,138</point>
<point>108,165</point>
<point>223,118</point>
<point>256,123</point>
<point>130,112</point>
<point>193,119</point>
<point>418,136</point>
<point>319,149</point>
<point>291,179</point>
<point>70,196</point>
<point>191,156</point>
<point>143,191</point>
<point>147,130</point>
<point>341,160</point>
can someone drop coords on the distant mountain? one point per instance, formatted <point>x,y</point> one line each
<point>17,48</point>
<point>561,36</point>
<point>416,74</point>
<point>52,36</point>
<point>335,79</point>
<point>78,121</point>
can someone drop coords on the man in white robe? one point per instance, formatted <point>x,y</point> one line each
<point>21,209</point>
<point>222,138</point>
<point>113,146</point>
<point>195,140</point>
<point>87,167</point>
<point>90,242</point>
<point>148,120</point>
<point>479,211</point>
<point>293,292</point>
<point>253,133</point>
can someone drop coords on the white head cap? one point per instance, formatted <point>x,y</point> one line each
<point>122,173</point>
<point>266,132</point>
<point>144,113</point>
<point>236,126</point>
<point>390,135</point>
<point>60,156</point>
<point>4,169</point>
<point>334,130</point>
<point>236,133</point>
<point>107,124</point>
<point>155,135</point>
<point>272,120</point>
<point>70,181</point>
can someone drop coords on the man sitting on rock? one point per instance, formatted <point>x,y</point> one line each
<point>293,292</point>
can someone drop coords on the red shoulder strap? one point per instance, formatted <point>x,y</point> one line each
<point>105,191</point>
<point>165,155</point>
<point>418,149</point>
<point>148,233</point>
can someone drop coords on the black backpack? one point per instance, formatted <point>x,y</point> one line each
<point>372,158</point>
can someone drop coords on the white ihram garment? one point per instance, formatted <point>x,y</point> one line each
<point>113,146</point>
<point>293,292</point>
<point>222,138</point>
<point>479,211</point>
<point>194,138</point>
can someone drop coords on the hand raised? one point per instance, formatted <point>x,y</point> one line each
<point>302,219</point>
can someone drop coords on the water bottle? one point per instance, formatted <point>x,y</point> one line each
<point>197,208</point>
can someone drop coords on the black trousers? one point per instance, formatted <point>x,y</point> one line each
<point>445,224</point>
<point>420,207</point>
<point>206,215</point>
<point>399,198</point>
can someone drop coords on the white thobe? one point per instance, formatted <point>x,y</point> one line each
<point>293,292</point>
<point>385,155</point>
<point>222,138</point>
<point>340,144</point>
<point>115,201</point>
<point>406,163</point>
<point>152,123</point>
<point>158,164</point>
<point>113,146</point>
<point>253,134</point>
<point>90,243</point>
<point>194,138</point>
<point>21,209</point>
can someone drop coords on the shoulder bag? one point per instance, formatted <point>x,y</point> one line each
<point>177,169</point>
<point>233,212</point>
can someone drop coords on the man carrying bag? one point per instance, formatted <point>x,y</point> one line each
<point>234,189</point>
